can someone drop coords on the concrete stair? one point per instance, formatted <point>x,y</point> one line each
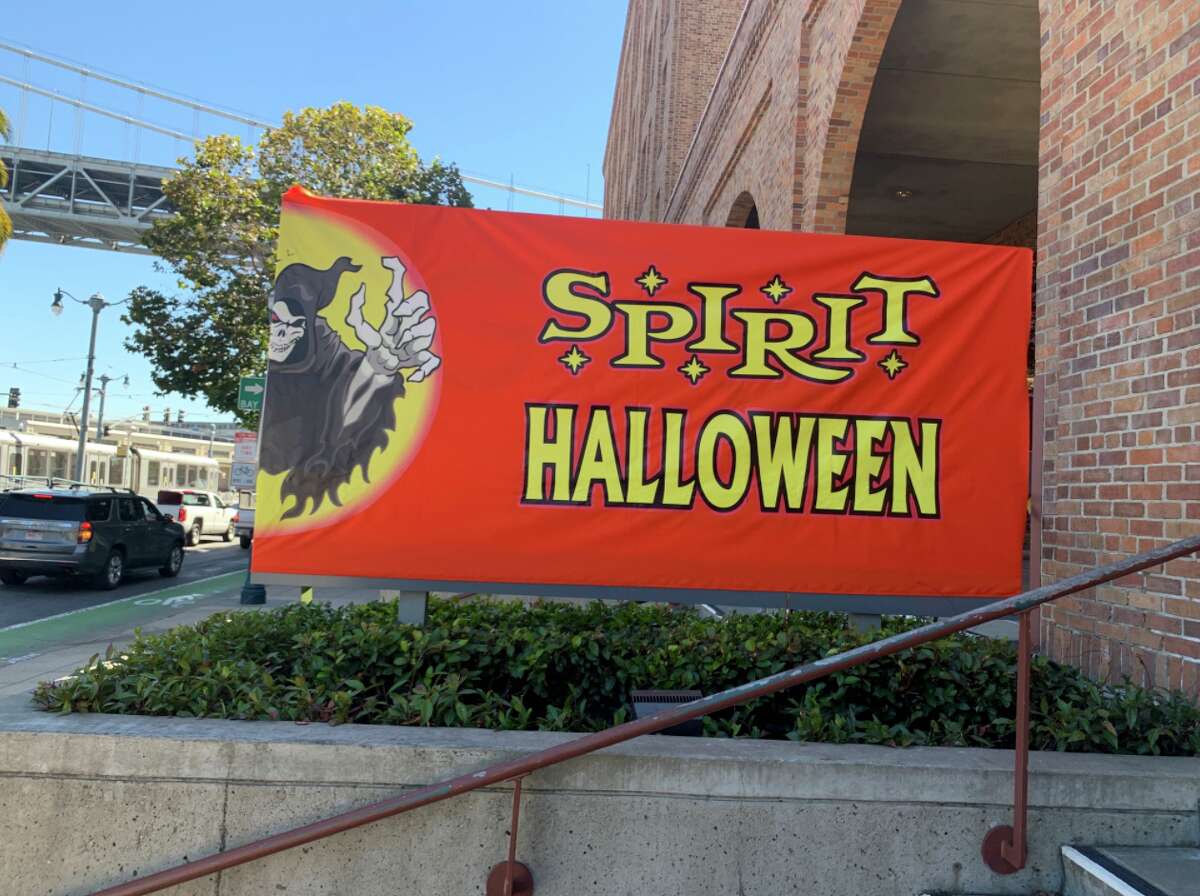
<point>1130,871</point>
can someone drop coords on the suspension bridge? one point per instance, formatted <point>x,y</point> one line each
<point>60,194</point>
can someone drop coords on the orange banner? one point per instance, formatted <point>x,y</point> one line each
<point>465,398</point>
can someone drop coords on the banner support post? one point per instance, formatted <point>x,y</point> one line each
<point>865,622</point>
<point>411,606</point>
<point>251,593</point>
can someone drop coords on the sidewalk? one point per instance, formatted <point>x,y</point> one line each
<point>55,646</point>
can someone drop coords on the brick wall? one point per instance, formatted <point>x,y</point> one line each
<point>781,124</point>
<point>1118,329</point>
<point>1118,267</point>
<point>669,62</point>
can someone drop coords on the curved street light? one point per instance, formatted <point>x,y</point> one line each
<point>97,303</point>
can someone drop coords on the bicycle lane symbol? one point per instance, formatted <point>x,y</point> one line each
<point>179,600</point>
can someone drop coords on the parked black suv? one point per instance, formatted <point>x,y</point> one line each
<point>85,532</point>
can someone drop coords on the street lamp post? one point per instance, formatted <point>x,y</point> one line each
<point>97,303</point>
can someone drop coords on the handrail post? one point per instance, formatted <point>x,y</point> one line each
<point>1005,847</point>
<point>511,878</point>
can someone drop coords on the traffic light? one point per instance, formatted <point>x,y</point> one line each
<point>179,417</point>
<point>145,413</point>
<point>14,397</point>
<point>166,415</point>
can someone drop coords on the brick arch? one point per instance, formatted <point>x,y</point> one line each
<point>836,79</point>
<point>743,212</point>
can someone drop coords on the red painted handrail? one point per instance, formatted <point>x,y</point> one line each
<point>1004,848</point>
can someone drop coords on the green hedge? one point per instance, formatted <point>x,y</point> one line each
<point>570,667</point>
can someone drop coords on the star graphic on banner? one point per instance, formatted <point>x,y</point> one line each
<point>694,370</point>
<point>893,364</point>
<point>574,360</point>
<point>651,280</point>
<point>776,290</point>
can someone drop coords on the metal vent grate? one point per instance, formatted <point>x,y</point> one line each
<point>648,702</point>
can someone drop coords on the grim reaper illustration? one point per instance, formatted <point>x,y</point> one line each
<point>330,407</point>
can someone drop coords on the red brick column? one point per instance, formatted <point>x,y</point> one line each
<point>1118,329</point>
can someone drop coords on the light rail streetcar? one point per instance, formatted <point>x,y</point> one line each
<point>29,458</point>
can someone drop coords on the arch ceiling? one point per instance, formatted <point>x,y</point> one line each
<point>949,145</point>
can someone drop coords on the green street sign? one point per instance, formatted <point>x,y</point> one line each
<point>250,393</point>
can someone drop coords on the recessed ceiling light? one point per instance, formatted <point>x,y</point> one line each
<point>903,193</point>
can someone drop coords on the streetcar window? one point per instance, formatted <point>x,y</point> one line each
<point>37,462</point>
<point>59,462</point>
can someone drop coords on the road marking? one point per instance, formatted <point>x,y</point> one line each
<point>176,601</point>
<point>112,603</point>
<point>116,619</point>
<point>13,660</point>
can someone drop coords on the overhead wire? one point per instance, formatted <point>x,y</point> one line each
<point>57,379</point>
<point>42,360</point>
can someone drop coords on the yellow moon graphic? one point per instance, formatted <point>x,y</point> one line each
<point>318,240</point>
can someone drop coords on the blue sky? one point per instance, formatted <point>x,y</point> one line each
<point>515,90</point>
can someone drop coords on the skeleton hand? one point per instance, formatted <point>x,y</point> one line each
<point>404,338</point>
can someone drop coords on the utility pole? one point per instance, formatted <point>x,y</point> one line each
<point>105,379</point>
<point>97,303</point>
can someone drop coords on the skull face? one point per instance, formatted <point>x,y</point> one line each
<point>288,327</point>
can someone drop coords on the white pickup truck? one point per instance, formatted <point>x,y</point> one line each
<point>244,521</point>
<point>200,513</point>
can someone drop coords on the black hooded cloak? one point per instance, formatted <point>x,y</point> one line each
<point>304,429</point>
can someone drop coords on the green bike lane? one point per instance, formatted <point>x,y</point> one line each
<point>26,640</point>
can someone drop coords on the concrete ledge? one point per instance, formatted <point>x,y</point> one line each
<point>89,799</point>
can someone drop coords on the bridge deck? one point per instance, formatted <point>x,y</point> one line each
<point>82,201</point>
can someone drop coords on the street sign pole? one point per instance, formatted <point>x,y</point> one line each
<point>250,398</point>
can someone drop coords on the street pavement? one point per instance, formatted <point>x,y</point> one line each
<point>41,596</point>
<point>49,629</point>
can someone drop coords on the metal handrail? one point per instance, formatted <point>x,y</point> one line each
<point>1004,848</point>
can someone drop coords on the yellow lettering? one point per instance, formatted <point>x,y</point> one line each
<point>895,305</point>
<point>559,292</point>
<point>837,342</point>
<point>721,495</point>
<point>676,493</point>
<point>783,451</point>
<point>867,464</point>
<point>830,464</point>
<point>638,334</point>
<point>639,490</point>
<point>544,452</point>
<point>713,297</point>
<point>598,461</point>
<point>912,475</point>
<point>758,345</point>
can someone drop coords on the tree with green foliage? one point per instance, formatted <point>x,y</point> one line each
<point>220,241</point>
<point>5,220</point>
